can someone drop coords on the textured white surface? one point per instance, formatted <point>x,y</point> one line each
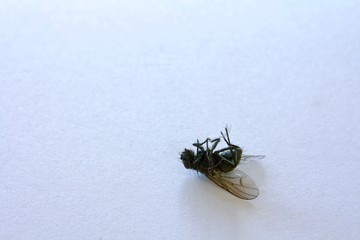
<point>98,98</point>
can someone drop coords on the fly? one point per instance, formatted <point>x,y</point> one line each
<point>219,165</point>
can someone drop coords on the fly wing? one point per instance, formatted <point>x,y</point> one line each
<point>237,183</point>
<point>247,158</point>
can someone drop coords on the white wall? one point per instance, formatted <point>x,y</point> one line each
<point>98,98</point>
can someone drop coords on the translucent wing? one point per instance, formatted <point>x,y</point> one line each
<point>237,183</point>
<point>246,158</point>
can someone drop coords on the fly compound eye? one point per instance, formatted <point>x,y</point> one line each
<point>187,157</point>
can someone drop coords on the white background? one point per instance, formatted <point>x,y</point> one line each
<point>98,98</point>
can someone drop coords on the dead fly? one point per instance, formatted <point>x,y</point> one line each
<point>219,166</point>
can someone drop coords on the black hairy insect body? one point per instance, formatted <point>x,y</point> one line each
<point>207,160</point>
